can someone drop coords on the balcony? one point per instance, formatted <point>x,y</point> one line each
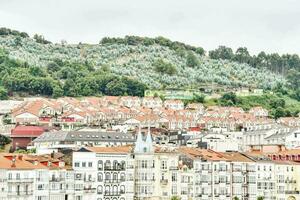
<point>113,193</point>
<point>56,179</point>
<point>292,192</point>
<point>19,180</point>
<point>89,190</point>
<point>173,168</point>
<point>20,193</point>
<point>114,168</point>
<point>113,180</point>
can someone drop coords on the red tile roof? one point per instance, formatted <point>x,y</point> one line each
<point>27,131</point>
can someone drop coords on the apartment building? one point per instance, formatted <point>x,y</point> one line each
<point>26,178</point>
<point>144,171</point>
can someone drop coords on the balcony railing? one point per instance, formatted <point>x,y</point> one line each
<point>56,179</point>
<point>20,193</point>
<point>292,192</point>
<point>113,180</point>
<point>164,181</point>
<point>89,190</point>
<point>113,193</point>
<point>173,168</point>
<point>20,180</point>
<point>114,168</point>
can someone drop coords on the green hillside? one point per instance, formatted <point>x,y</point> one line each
<point>157,63</point>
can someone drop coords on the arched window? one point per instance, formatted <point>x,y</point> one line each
<point>107,164</point>
<point>123,165</point>
<point>115,189</point>
<point>115,164</point>
<point>100,165</point>
<point>107,190</point>
<point>122,189</point>
<point>99,189</point>
<point>115,177</point>
<point>107,176</point>
<point>122,176</point>
<point>100,177</point>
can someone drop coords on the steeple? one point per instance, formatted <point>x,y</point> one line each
<point>149,141</point>
<point>143,146</point>
<point>139,144</point>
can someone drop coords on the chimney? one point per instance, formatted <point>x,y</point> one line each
<point>20,157</point>
<point>52,154</point>
<point>13,164</point>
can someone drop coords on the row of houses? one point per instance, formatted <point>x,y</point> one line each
<point>144,171</point>
<point>107,110</point>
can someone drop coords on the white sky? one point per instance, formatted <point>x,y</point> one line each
<point>269,25</point>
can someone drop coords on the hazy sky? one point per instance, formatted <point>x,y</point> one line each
<point>269,25</point>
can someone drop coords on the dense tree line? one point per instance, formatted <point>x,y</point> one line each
<point>274,62</point>
<point>7,31</point>
<point>61,78</point>
<point>136,40</point>
<point>275,103</point>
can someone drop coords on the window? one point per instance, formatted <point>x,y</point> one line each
<point>163,164</point>
<point>100,177</point>
<point>83,164</point>
<point>100,165</point>
<point>76,164</point>
<point>99,189</point>
<point>115,176</point>
<point>107,176</point>
<point>90,164</point>
<point>174,177</point>
<point>122,189</point>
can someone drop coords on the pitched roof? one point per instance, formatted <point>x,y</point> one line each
<point>117,149</point>
<point>27,131</point>
<point>206,154</point>
<point>6,162</point>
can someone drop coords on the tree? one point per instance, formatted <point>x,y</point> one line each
<point>242,55</point>
<point>228,99</point>
<point>260,198</point>
<point>175,198</point>
<point>164,67</point>
<point>4,140</point>
<point>276,103</point>
<point>222,52</point>
<point>116,88</point>
<point>57,91</point>
<point>198,98</point>
<point>70,88</point>
<point>293,78</point>
<point>236,198</point>
<point>3,93</point>
<point>191,60</point>
<point>40,39</point>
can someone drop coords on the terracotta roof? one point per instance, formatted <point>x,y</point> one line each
<point>236,157</point>
<point>207,154</point>
<point>29,131</point>
<point>6,162</point>
<point>117,149</point>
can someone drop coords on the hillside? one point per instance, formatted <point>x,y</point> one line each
<point>154,64</point>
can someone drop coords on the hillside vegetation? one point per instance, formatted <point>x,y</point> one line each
<point>155,62</point>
